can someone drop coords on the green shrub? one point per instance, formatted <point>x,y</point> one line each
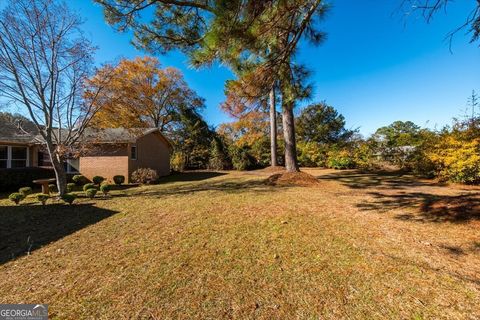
<point>52,187</point>
<point>98,180</point>
<point>69,198</point>
<point>119,179</point>
<point>42,198</point>
<point>311,154</point>
<point>178,161</point>
<point>16,197</point>
<point>91,193</point>
<point>457,160</point>
<point>241,158</point>
<point>340,160</point>
<point>144,176</point>
<point>89,186</point>
<point>25,191</point>
<point>363,156</point>
<point>105,188</point>
<point>79,179</point>
<point>70,187</point>
<point>218,158</point>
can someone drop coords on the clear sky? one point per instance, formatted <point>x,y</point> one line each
<point>375,67</point>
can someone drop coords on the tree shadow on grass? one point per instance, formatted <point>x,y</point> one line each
<point>379,180</point>
<point>395,190</point>
<point>190,176</point>
<point>26,228</point>
<point>428,207</point>
<point>225,186</point>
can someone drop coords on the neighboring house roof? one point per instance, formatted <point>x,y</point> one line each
<point>10,133</point>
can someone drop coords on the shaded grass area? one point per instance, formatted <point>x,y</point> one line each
<point>228,246</point>
<point>393,191</point>
<point>26,228</point>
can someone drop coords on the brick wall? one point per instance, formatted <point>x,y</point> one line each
<point>152,152</point>
<point>105,166</point>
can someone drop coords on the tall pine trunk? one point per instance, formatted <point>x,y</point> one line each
<point>273,128</point>
<point>59,169</point>
<point>288,120</point>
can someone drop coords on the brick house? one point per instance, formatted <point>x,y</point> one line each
<point>103,152</point>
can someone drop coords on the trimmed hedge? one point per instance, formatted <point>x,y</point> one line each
<point>69,198</point>
<point>119,180</point>
<point>13,179</point>
<point>105,188</point>
<point>42,198</point>
<point>91,193</point>
<point>70,187</point>
<point>98,180</point>
<point>89,186</point>
<point>16,197</point>
<point>25,191</point>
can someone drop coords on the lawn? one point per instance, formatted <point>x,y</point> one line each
<point>227,245</point>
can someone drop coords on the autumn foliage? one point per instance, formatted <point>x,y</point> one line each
<point>142,94</point>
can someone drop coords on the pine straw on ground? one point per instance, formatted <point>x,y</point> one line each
<point>292,179</point>
<point>228,246</point>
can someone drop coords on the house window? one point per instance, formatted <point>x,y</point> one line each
<point>133,153</point>
<point>3,157</point>
<point>13,157</point>
<point>19,157</point>
<point>71,166</point>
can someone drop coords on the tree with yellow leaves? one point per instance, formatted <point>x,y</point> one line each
<point>142,94</point>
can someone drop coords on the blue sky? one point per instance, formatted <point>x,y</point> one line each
<point>375,67</point>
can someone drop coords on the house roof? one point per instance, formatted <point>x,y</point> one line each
<point>10,133</point>
<point>119,135</point>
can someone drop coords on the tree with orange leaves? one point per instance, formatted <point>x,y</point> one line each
<point>142,94</point>
<point>244,96</point>
<point>247,138</point>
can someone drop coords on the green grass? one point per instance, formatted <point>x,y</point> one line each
<point>212,246</point>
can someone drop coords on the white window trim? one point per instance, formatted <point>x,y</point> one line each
<point>9,156</point>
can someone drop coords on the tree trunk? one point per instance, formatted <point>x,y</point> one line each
<point>288,121</point>
<point>273,128</point>
<point>60,174</point>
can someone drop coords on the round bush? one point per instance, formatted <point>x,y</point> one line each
<point>340,160</point>
<point>70,187</point>
<point>52,188</point>
<point>98,179</point>
<point>79,179</point>
<point>105,188</point>
<point>25,191</point>
<point>144,176</point>
<point>91,193</point>
<point>89,186</point>
<point>119,180</point>
<point>16,197</point>
<point>42,198</point>
<point>69,198</point>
